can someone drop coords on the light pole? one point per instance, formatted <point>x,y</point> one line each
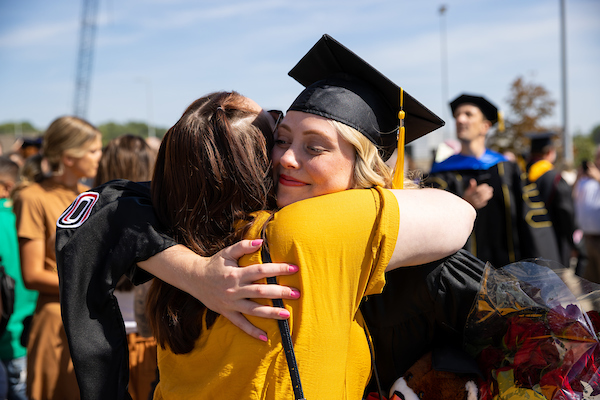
<point>567,140</point>
<point>148,82</point>
<point>444,59</point>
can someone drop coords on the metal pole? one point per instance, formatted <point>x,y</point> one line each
<point>444,58</point>
<point>148,84</point>
<point>567,140</point>
<point>85,57</point>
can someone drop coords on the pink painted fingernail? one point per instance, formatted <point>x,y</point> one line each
<point>257,242</point>
<point>294,293</point>
<point>284,313</point>
<point>263,338</point>
<point>293,268</point>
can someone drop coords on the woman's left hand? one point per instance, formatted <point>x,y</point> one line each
<point>221,285</point>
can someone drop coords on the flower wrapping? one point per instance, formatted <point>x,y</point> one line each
<point>534,332</point>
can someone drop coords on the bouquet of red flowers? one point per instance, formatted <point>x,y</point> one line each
<point>531,336</point>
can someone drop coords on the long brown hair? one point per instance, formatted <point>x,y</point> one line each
<point>213,169</point>
<point>126,157</point>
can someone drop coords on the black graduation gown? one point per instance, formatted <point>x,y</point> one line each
<point>420,309</point>
<point>557,196</point>
<point>98,240</point>
<point>514,225</point>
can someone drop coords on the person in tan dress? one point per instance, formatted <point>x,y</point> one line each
<point>73,148</point>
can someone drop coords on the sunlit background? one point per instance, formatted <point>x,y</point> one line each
<point>151,58</point>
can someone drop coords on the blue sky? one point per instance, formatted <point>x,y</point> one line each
<point>167,53</point>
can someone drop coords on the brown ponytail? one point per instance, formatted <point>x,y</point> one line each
<point>212,170</point>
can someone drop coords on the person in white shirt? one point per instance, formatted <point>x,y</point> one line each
<point>587,213</point>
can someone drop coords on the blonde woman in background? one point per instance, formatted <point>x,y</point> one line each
<point>72,148</point>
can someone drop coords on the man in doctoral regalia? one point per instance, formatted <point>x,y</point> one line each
<point>512,223</point>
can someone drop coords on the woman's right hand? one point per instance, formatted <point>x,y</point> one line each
<point>221,285</point>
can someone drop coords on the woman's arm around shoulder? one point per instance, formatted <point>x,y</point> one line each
<point>433,224</point>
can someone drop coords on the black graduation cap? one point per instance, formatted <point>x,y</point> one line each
<point>539,140</point>
<point>489,110</point>
<point>342,86</point>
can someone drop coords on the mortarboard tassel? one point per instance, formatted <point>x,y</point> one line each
<point>500,121</point>
<point>398,181</point>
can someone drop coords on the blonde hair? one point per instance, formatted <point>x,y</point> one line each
<point>67,135</point>
<point>369,168</point>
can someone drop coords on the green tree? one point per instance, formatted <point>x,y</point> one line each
<point>583,148</point>
<point>111,130</point>
<point>24,128</point>
<point>595,135</point>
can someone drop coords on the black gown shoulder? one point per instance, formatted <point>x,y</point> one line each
<point>99,238</point>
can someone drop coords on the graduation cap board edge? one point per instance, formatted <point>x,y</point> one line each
<point>340,85</point>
